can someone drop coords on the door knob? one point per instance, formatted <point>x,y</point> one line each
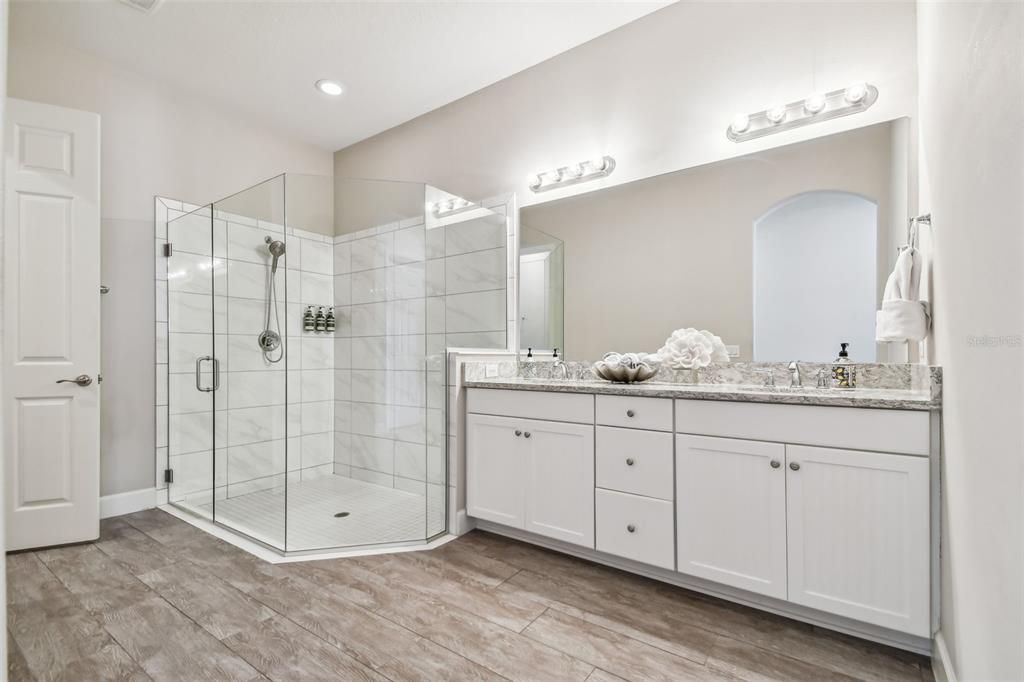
<point>795,466</point>
<point>81,380</point>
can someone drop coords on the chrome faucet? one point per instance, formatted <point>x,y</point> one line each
<point>560,365</point>
<point>794,375</point>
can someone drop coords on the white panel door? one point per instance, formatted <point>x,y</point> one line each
<point>858,535</point>
<point>51,324</point>
<point>731,512</point>
<point>496,464</point>
<point>560,481</point>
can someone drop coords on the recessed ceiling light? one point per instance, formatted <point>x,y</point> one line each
<point>332,88</point>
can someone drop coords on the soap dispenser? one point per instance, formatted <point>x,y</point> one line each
<point>844,373</point>
<point>308,321</point>
<point>321,320</point>
<point>329,321</point>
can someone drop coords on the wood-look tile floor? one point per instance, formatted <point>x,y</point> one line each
<point>156,598</point>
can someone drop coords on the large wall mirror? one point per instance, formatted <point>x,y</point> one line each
<point>783,253</point>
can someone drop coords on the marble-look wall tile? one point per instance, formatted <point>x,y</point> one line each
<point>475,312</point>
<point>410,245</point>
<point>409,281</point>
<point>474,235</point>
<point>373,252</point>
<point>372,286</point>
<point>317,257</point>
<point>477,271</point>
<point>316,289</point>
<point>342,259</point>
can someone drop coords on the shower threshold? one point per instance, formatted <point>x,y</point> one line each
<point>328,517</point>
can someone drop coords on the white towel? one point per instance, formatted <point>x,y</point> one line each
<point>903,316</point>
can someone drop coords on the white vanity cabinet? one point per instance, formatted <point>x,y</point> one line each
<point>533,474</point>
<point>822,512</point>
<point>859,535</point>
<point>731,512</point>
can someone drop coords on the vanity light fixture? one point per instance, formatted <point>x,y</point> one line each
<point>591,169</point>
<point>853,99</point>
<point>448,207</point>
<point>329,87</point>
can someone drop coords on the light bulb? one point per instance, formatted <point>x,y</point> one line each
<point>776,114</point>
<point>856,92</point>
<point>740,123</point>
<point>815,103</point>
<point>574,171</point>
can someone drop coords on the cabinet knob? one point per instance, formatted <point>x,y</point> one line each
<point>630,413</point>
<point>527,434</point>
<point>795,466</point>
<point>631,528</point>
<point>775,464</point>
<point>518,432</point>
<point>630,461</point>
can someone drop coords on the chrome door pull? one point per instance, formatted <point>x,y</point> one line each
<point>199,385</point>
<point>81,380</point>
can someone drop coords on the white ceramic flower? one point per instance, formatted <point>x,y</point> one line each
<point>692,348</point>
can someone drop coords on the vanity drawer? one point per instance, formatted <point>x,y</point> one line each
<point>652,538</point>
<point>634,461</point>
<point>558,407</point>
<point>851,428</point>
<point>635,413</point>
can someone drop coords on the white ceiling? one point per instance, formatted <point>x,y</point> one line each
<point>398,60</point>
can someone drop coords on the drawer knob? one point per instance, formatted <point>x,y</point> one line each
<point>795,466</point>
<point>630,461</point>
<point>630,413</point>
<point>518,432</point>
<point>775,464</point>
<point>631,528</point>
<point>527,434</point>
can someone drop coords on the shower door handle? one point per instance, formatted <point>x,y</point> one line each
<point>216,380</point>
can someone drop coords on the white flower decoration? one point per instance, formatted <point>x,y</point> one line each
<point>691,348</point>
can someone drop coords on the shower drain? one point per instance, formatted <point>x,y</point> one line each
<point>341,515</point>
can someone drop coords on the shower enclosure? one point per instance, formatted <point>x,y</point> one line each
<point>306,386</point>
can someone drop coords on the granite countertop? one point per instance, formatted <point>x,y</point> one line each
<point>879,398</point>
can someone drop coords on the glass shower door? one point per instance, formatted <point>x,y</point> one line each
<point>195,274</point>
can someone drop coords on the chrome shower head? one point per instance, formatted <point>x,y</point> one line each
<point>277,249</point>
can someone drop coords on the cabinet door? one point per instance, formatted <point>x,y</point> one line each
<point>496,462</point>
<point>858,535</point>
<point>731,512</point>
<point>560,481</point>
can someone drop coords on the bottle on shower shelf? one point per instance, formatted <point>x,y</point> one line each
<point>321,320</point>
<point>329,321</point>
<point>308,320</point>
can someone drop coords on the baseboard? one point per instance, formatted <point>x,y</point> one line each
<point>942,665</point>
<point>127,503</point>
<point>463,523</point>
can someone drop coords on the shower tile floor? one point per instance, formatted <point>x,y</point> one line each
<point>376,514</point>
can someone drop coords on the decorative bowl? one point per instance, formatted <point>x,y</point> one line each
<point>625,369</point>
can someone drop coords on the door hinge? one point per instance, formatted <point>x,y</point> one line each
<point>168,475</point>
<point>168,250</point>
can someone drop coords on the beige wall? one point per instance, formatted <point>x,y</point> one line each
<point>676,251</point>
<point>972,182</point>
<point>154,142</point>
<point>656,94</point>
